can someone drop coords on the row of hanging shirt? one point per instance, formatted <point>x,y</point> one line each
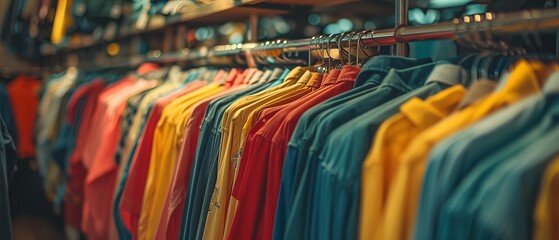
<point>398,149</point>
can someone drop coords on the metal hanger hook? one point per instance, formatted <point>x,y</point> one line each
<point>359,45</point>
<point>340,50</point>
<point>329,39</point>
<point>349,40</point>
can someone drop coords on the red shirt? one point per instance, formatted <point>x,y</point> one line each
<point>73,199</point>
<point>268,113</point>
<point>22,92</point>
<point>132,196</point>
<point>265,150</point>
<point>101,176</point>
<point>171,219</point>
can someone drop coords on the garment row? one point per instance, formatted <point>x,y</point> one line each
<point>399,148</point>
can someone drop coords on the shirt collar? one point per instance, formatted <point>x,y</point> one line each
<point>219,77</point>
<point>255,77</point>
<point>304,78</point>
<point>230,78</point>
<point>266,76</point>
<point>478,90</point>
<point>294,74</point>
<point>277,73</point>
<point>523,80</point>
<point>241,77</point>
<point>349,74</point>
<point>426,113</point>
<point>409,78</point>
<point>315,81</point>
<point>376,68</point>
<point>448,74</point>
<point>332,77</point>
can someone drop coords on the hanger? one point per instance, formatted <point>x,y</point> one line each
<point>321,67</point>
<point>471,44</point>
<point>288,60</point>
<point>328,51</point>
<point>349,40</point>
<point>360,47</point>
<point>341,51</point>
<point>258,54</point>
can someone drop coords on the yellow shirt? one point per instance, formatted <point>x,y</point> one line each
<point>546,213</point>
<point>232,124</point>
<point>525,80</point>
<point>392,137</point>
<point>165,149</point>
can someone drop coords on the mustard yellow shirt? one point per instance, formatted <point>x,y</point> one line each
<point>232,124</point>
<point>392,137</point>
<point>401,207</point>
<point>546,213</point>
<point>165,149</point>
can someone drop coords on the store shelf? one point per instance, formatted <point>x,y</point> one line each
<point>219,11</point>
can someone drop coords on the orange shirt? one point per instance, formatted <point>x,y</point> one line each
<point>101,176</point>
<point>23,97</point>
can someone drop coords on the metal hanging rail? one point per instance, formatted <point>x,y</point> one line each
<point>485,24</point>
<point>468,28</point>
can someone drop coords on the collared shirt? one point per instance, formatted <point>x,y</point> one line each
<point>391,139</point>
<point>76,171</point>
<point>525,168</point>
<point>232,124</point>
<point>204,173</point>
<point>339,166</point>
<point>101,174</point>
<point>546,212</point>
<point>268,147</point>
<point>496,207</point>
<point>133,190</point>
<point>402,198</point>
<point>513,131</point>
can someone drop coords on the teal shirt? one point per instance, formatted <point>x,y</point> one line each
<point>334,191</point>
<point>480,205</point>
<point>368,79</point>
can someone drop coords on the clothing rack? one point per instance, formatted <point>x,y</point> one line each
<point>469,28</point>
<point>476,29</point>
